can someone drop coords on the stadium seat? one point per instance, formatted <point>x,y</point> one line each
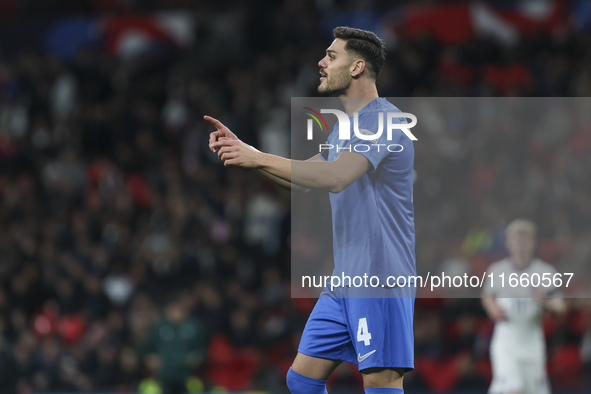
<point>229,367</point>
<point>438,375</point>
<point>565,366</point>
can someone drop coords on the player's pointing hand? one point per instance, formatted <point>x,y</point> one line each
<point>237,153</point>
<point>222,132</point>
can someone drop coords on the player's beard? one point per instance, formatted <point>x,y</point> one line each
<point>336,83</point>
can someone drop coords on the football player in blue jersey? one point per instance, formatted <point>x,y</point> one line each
<point>373,224</point>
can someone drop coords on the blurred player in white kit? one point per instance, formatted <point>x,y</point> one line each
<point>518,348</point>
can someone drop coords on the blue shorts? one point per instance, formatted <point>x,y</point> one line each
<point>369,332</point>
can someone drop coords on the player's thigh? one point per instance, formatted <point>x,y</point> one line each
<point>535,379</point>
<point>507,374</point>
<point>314,367</point>
<point>383,377</point>
<point>382,332</point>
<point>326,335</point>
<point>324,341</point>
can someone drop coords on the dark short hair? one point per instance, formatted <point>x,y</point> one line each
<point>366,45</point>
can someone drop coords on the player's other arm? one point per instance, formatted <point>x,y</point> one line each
<point>492,308</point>
<point>553,302</point>
<point>556,306</point>
<point>552,299</point>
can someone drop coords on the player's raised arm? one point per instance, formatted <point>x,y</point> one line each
<point>282,182</point>
<point>333,176</point>
<point>224,133</point>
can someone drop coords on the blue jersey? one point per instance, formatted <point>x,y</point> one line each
<point>373,218</point>
<point>373,235</point>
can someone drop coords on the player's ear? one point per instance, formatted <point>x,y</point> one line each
<point>357,67</point>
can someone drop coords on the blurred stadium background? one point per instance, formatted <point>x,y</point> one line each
<point>116,220</point>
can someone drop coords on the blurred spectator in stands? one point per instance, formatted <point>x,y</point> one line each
<point>174,346</point>
<point>128,373</point>
<point>586,355</point>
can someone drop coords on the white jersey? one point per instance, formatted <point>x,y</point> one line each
<point>518,346</point>
<point>521,333</point>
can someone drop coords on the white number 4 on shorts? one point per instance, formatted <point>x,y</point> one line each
<point>362,332</point>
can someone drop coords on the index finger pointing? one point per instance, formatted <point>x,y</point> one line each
<point>214,121</point>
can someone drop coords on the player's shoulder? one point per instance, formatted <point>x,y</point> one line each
<point>377,114</point>
<point>383,105</point>
<point>539,265</point>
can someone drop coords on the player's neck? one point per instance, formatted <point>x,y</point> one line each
<point>358,95</point>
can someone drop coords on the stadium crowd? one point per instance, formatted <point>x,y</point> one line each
<point>118,226</point>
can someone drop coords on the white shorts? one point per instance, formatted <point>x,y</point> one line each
<point>513,375</point>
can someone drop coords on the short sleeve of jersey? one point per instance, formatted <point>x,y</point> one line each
<point>376,150</point>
